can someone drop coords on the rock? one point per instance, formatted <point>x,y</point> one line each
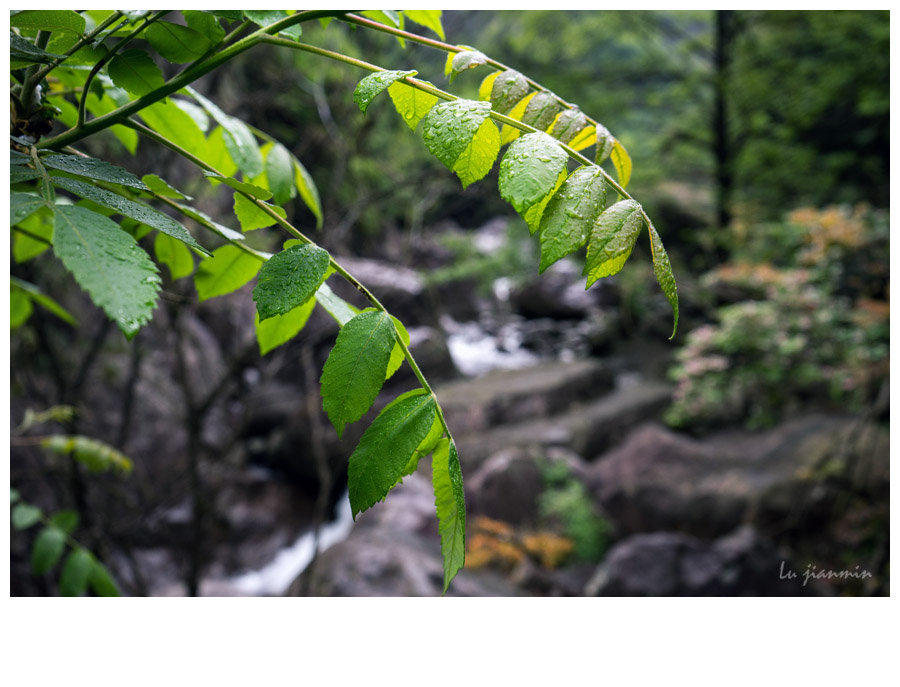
<point>507,486</point>
<point>676,564</point>
<point>400,289</point>
<point>509,396</point>
<point>786,479</point>
<point>559,294</point>
<point>394,550</point>
<point>586,428</point>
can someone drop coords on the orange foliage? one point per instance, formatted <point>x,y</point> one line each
<point>496,544</point>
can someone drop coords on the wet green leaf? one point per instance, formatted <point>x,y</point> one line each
<point>289,279</point>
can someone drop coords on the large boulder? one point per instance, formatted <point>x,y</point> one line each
<point>675,564</point>
<point>787,479</point>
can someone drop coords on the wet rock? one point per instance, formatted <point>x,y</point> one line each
<point>509,396</point>
<point>786,479</point>
<point>394,550</point>
<point>400,289</point>
<point>507,486</point>
<point>675,564</point>
<point>559,294</point>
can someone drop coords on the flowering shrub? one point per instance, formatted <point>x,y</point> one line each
<point>816,332</point>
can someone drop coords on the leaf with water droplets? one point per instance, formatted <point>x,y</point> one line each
<point>605,143</point>
<point>612,239</point>
<point>290,278</point>
<point>386,447</point>
<point>511,133</point>
<point>357,367</point>
<point>529,170</point>
<point>662,268</point>
<point>622,162</point>
<point>541,110</point>
<point>571,212</point>
<point>227,270</point>
<point>567,124</point>
<point>373,84</point>
<point>535,213</point>
<point>107,263</point>
<point>468,59</point>
<point>93,168</point>
<point>450,504</point>
<point>449,128</point>
<point>508,89</point>
<point>487,85</point>
<point>477,159</point>
<point>135,71</point>
<point>411,103</point>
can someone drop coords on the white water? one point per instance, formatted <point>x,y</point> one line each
<point>476,352</point>
<point>275,578</point>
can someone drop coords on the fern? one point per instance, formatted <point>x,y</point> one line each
<point>126,92</point>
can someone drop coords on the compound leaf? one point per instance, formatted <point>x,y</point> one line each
<point>227,270</point>
<point>386,447</point>
<point>107,263</point>
<point>612,239</point>
<point>570,213</point>
<point>277,330</point>
<point>356,367</point>
<point>449,501</point>
<point>290,278</point>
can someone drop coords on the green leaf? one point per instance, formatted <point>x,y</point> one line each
<point>280,172</point>
<point>268,17</point>
<point>101,106</point>
<point>508,89</point>
<point>306,187</point>
<point>162,187</point>
<point>605,143</point>
<point>388,17</point>
<point>47,549</point>
<point>94,454</point>
<point>356,367</point>
<point>386,447</point>
<point>570,214</point>
<point>334,305</point>
<point>467,59</point>
<point>430,19</point>
<point>397,354</point>
<point>20,308</point>
<point>567,124</point>
<point>622,162</point>
<point>108,264</point>
<point>541,110</point>
<point>584,138</point>
<point>449,127</point>
<point>227,270</point>
<point>487,86</point>
<point>530,169</point>
<point>275,331</point>
<point>241,144</point>
<point>174,255</point>
<point>33,293</point>
<point>251,216</point>
<point>135,71</point>
<point>48,20</point>
<point>477,159</point>
<point>289,279</point>
<point>511,133</point>
<point>207,221</point>
<point>14,495</point>
<point>176,43</point>
<point>206,24</point>
<point>24,51</point>
<point>450,504</point>
<point>23,205</point>
<point>39,236</point>
<point>411,103</point>
<point>136,211</point>
<point>24,515</point>
<point>101,581</point>
<point>535,213</point>
<point>662,268</point>
<point>169,120</point>
<point>93,168</point>
<point>612,239</point>
<point>373,84</point>
<point>76,571</point>
<point>243,186</point>
<point>66,520</point>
